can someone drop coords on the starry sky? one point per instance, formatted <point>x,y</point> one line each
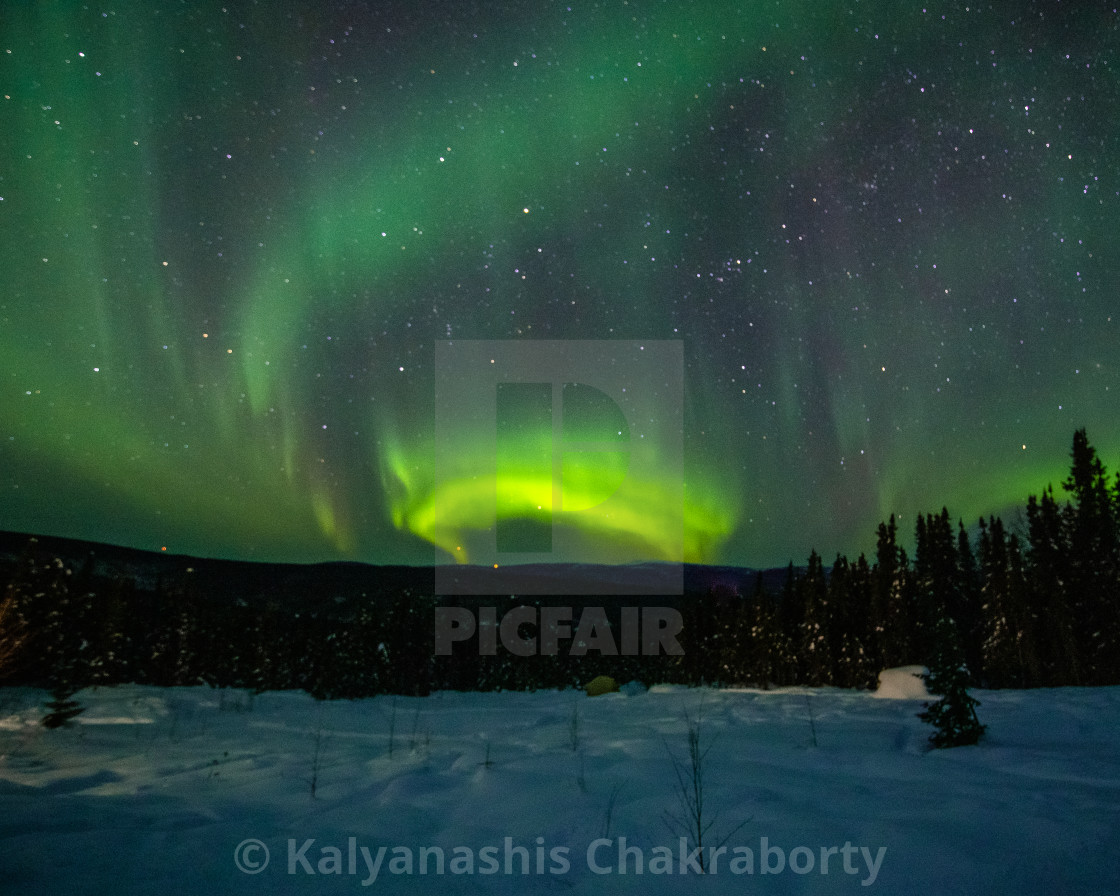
<point>883,236</point>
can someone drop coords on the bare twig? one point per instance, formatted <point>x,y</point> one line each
<point>317,752</point>
<point>693,819</point>
<point>609,813</point>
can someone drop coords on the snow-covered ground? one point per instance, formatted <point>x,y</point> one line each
<point>815,790</point>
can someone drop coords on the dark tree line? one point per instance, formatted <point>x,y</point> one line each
<point>1032,608</point>
<point>1034,604</point>
<point>82,630</point>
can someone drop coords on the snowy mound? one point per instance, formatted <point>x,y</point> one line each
<point>903,683</point>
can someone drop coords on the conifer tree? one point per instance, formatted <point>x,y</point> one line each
<point>737,647</point>
<point>954,714</point>
<point>1091,527</point>
<point>1048,593</point>
<point>840,601</point>
<point>788,620</point>
<point>850,597</point>
<point>63,708</point>
<point>62,641</point>
<point>889,629</point>
<point>1028,620</point>
<point>968,612</point>
<point>12,632</point>
<point>1007,621</point>
<point>815,652</point>
<point>764,637</point>
<point>936,582</point>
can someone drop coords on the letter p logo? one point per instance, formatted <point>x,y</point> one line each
<point>559,452</point>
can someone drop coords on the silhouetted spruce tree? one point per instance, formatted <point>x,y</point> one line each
<point>921,606</point>
<point>111,660</point>
<point>936,589</point>
<point>868,667</point>
<point>890,634</point>
<point>62,640</point>
<point>764,637</point>
<point>409,639</point>
<point>968,611</point>
<point>317,671</point>
<point>815,652</point>
<point>63,707</point>
<point>162,655</point>
<point>214,640</point>
<point>351,660</point>
<point>790,614</point>
<point>275,660</point>
<point>735,648</point>
<point>1028,621</point>
<point>839,603</point>
<point>1091,537</point>
<point>954,714</point>
<point>702,660</point>
<point>1007,646</point>
<point>850,588</point>
<point>36,589</point>
<point>1059,654</point>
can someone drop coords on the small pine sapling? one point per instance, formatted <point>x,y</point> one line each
<point>62,708</point>
<point>954,714</point>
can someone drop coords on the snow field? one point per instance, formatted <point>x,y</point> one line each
<point>157,791</point>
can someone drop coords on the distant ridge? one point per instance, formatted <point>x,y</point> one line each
<point>248,579</point>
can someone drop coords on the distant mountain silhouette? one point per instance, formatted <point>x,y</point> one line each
<point>317,584</point>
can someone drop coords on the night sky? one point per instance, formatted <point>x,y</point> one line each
<point>885,234</point>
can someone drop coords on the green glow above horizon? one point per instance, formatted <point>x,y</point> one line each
<point>884,236</point>
<point>462,507</point>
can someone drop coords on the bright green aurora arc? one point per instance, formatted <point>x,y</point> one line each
<point>883,235</point>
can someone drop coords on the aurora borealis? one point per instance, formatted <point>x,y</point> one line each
<point>883,234</point>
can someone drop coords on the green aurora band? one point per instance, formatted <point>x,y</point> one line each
<point>234,237</point>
